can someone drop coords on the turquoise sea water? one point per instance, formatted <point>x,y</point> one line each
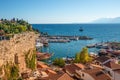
<point>100,33</point>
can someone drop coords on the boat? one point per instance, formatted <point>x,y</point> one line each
<point>81,29</point>
<point>43,56</point>
<point>91,46</point>
<point>38,44</point>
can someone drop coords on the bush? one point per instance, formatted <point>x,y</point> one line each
<point>59,62</point>
<point>31,61</point>
<point>11,72</point>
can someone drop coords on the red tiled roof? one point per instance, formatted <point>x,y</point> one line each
<point>97,74</point>
<point>73,67</point>
<point>79,65</point>
<point>62,76</point>
<point>112,65</point>
<point>49,71</point>
<point>65,76</point>
<point>102,58</point>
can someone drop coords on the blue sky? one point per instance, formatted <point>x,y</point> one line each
<point>59,11</point>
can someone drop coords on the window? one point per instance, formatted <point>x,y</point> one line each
<point>82,75</point>
<point>109,73</point>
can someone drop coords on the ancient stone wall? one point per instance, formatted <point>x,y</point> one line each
<point>17,45</point>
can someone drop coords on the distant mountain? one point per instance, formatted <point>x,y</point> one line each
<point>107,20</point>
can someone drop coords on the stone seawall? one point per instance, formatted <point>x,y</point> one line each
<point>17,45</point>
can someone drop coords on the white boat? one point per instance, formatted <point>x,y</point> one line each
<point>91,46</point>
<point>38,44</point>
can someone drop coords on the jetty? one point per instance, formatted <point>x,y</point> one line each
<point>45,39</point>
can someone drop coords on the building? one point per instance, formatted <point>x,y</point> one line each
<point>72,68</point>
<point>100,60</point>
<point>116,74</point>
<point>110,66</point>
<point>112,69</point>
<point>59,76</point>
<point>93,74</point>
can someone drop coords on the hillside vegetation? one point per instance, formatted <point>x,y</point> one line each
<point>14,26</point>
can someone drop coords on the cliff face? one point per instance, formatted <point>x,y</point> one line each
<point>13,50</point>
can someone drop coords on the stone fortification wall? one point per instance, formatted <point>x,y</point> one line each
<point>17,45</point>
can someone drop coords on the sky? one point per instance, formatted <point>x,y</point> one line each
<point>59,11</point>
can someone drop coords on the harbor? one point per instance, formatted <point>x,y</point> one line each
<point>45,40</point>
<point>53,39</point>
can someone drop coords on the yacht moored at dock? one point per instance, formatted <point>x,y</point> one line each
<point>43,56</point>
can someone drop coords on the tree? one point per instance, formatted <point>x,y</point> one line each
<point>29,27</point>
<point>15,26</point>
<point>77,58</point>
<point>22,28</point>
<point>2,19</point>
<point>13,20</point>
<point>16,31</point>
<point>83,56</point>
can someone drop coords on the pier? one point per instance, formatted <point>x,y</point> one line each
<point>61,38</point>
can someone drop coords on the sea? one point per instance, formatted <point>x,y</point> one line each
<point>99,33</point>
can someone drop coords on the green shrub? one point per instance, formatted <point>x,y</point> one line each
<point>11,72</point>
<point>59,62</point>
<point>31,61</point>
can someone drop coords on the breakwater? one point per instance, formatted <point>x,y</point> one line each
<point>61,38</point>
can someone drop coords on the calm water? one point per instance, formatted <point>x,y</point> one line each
<point>100,33</point>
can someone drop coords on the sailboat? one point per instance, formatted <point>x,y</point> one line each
<point>81,29</point>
